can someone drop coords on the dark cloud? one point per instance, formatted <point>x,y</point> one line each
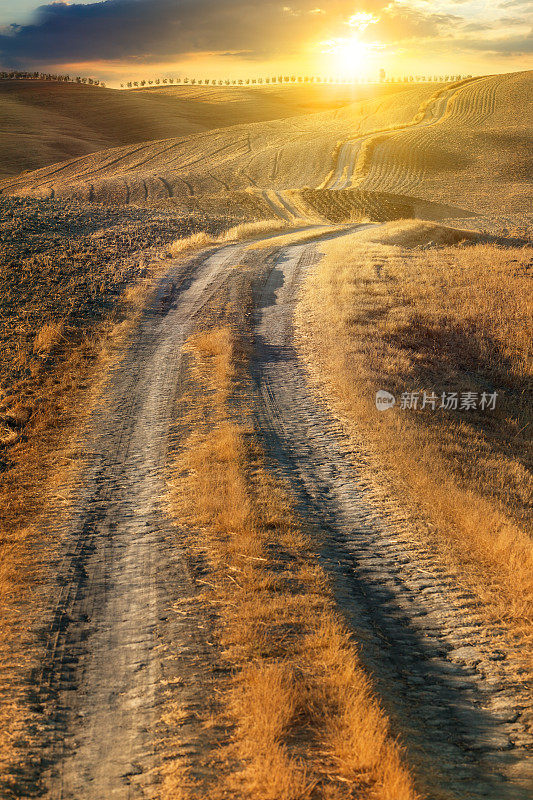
<point>156,29</point>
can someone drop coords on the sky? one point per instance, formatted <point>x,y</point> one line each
<point>120,40</point>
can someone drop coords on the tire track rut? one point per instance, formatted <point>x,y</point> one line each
<point>121,570</point>
<point>438,667</point>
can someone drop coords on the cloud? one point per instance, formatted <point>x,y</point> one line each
<point>401,23</point>
<point>504,46</point>
<point>152,29</point>
<point>516,3</point>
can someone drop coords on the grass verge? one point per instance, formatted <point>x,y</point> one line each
<point>245,230</point>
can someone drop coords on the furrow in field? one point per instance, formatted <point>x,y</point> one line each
<point>353,155</point>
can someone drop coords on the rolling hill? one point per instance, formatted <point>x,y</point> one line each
<point>46,122</point>
<point>418,142</point>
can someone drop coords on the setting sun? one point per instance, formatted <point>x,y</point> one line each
<point>349,55</point>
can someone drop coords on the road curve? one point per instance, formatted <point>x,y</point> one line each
<point>99,689</point>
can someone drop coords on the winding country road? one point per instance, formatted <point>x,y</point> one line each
<point>107,656</point>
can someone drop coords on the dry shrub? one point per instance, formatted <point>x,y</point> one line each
<point>48,337</point>
<point>246,230</point>
<point>192,242</point>
<point>249,229</point>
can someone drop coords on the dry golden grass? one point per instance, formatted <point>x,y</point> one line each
<point>48,337</point>
<point>303,718</point>
<point>245,230</point>
<point>416,233</point>
<point>295,237</point>
<point>379,313</point>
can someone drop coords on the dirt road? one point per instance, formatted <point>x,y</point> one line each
<point>120,574</point>
<point>442,676</point>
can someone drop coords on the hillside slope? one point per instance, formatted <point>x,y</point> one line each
<point>484,137</point>
<point>45,122</point>
<point>473,151</point>
<point>287,153</point>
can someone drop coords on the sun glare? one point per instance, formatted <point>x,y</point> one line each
<point>348,54</point>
